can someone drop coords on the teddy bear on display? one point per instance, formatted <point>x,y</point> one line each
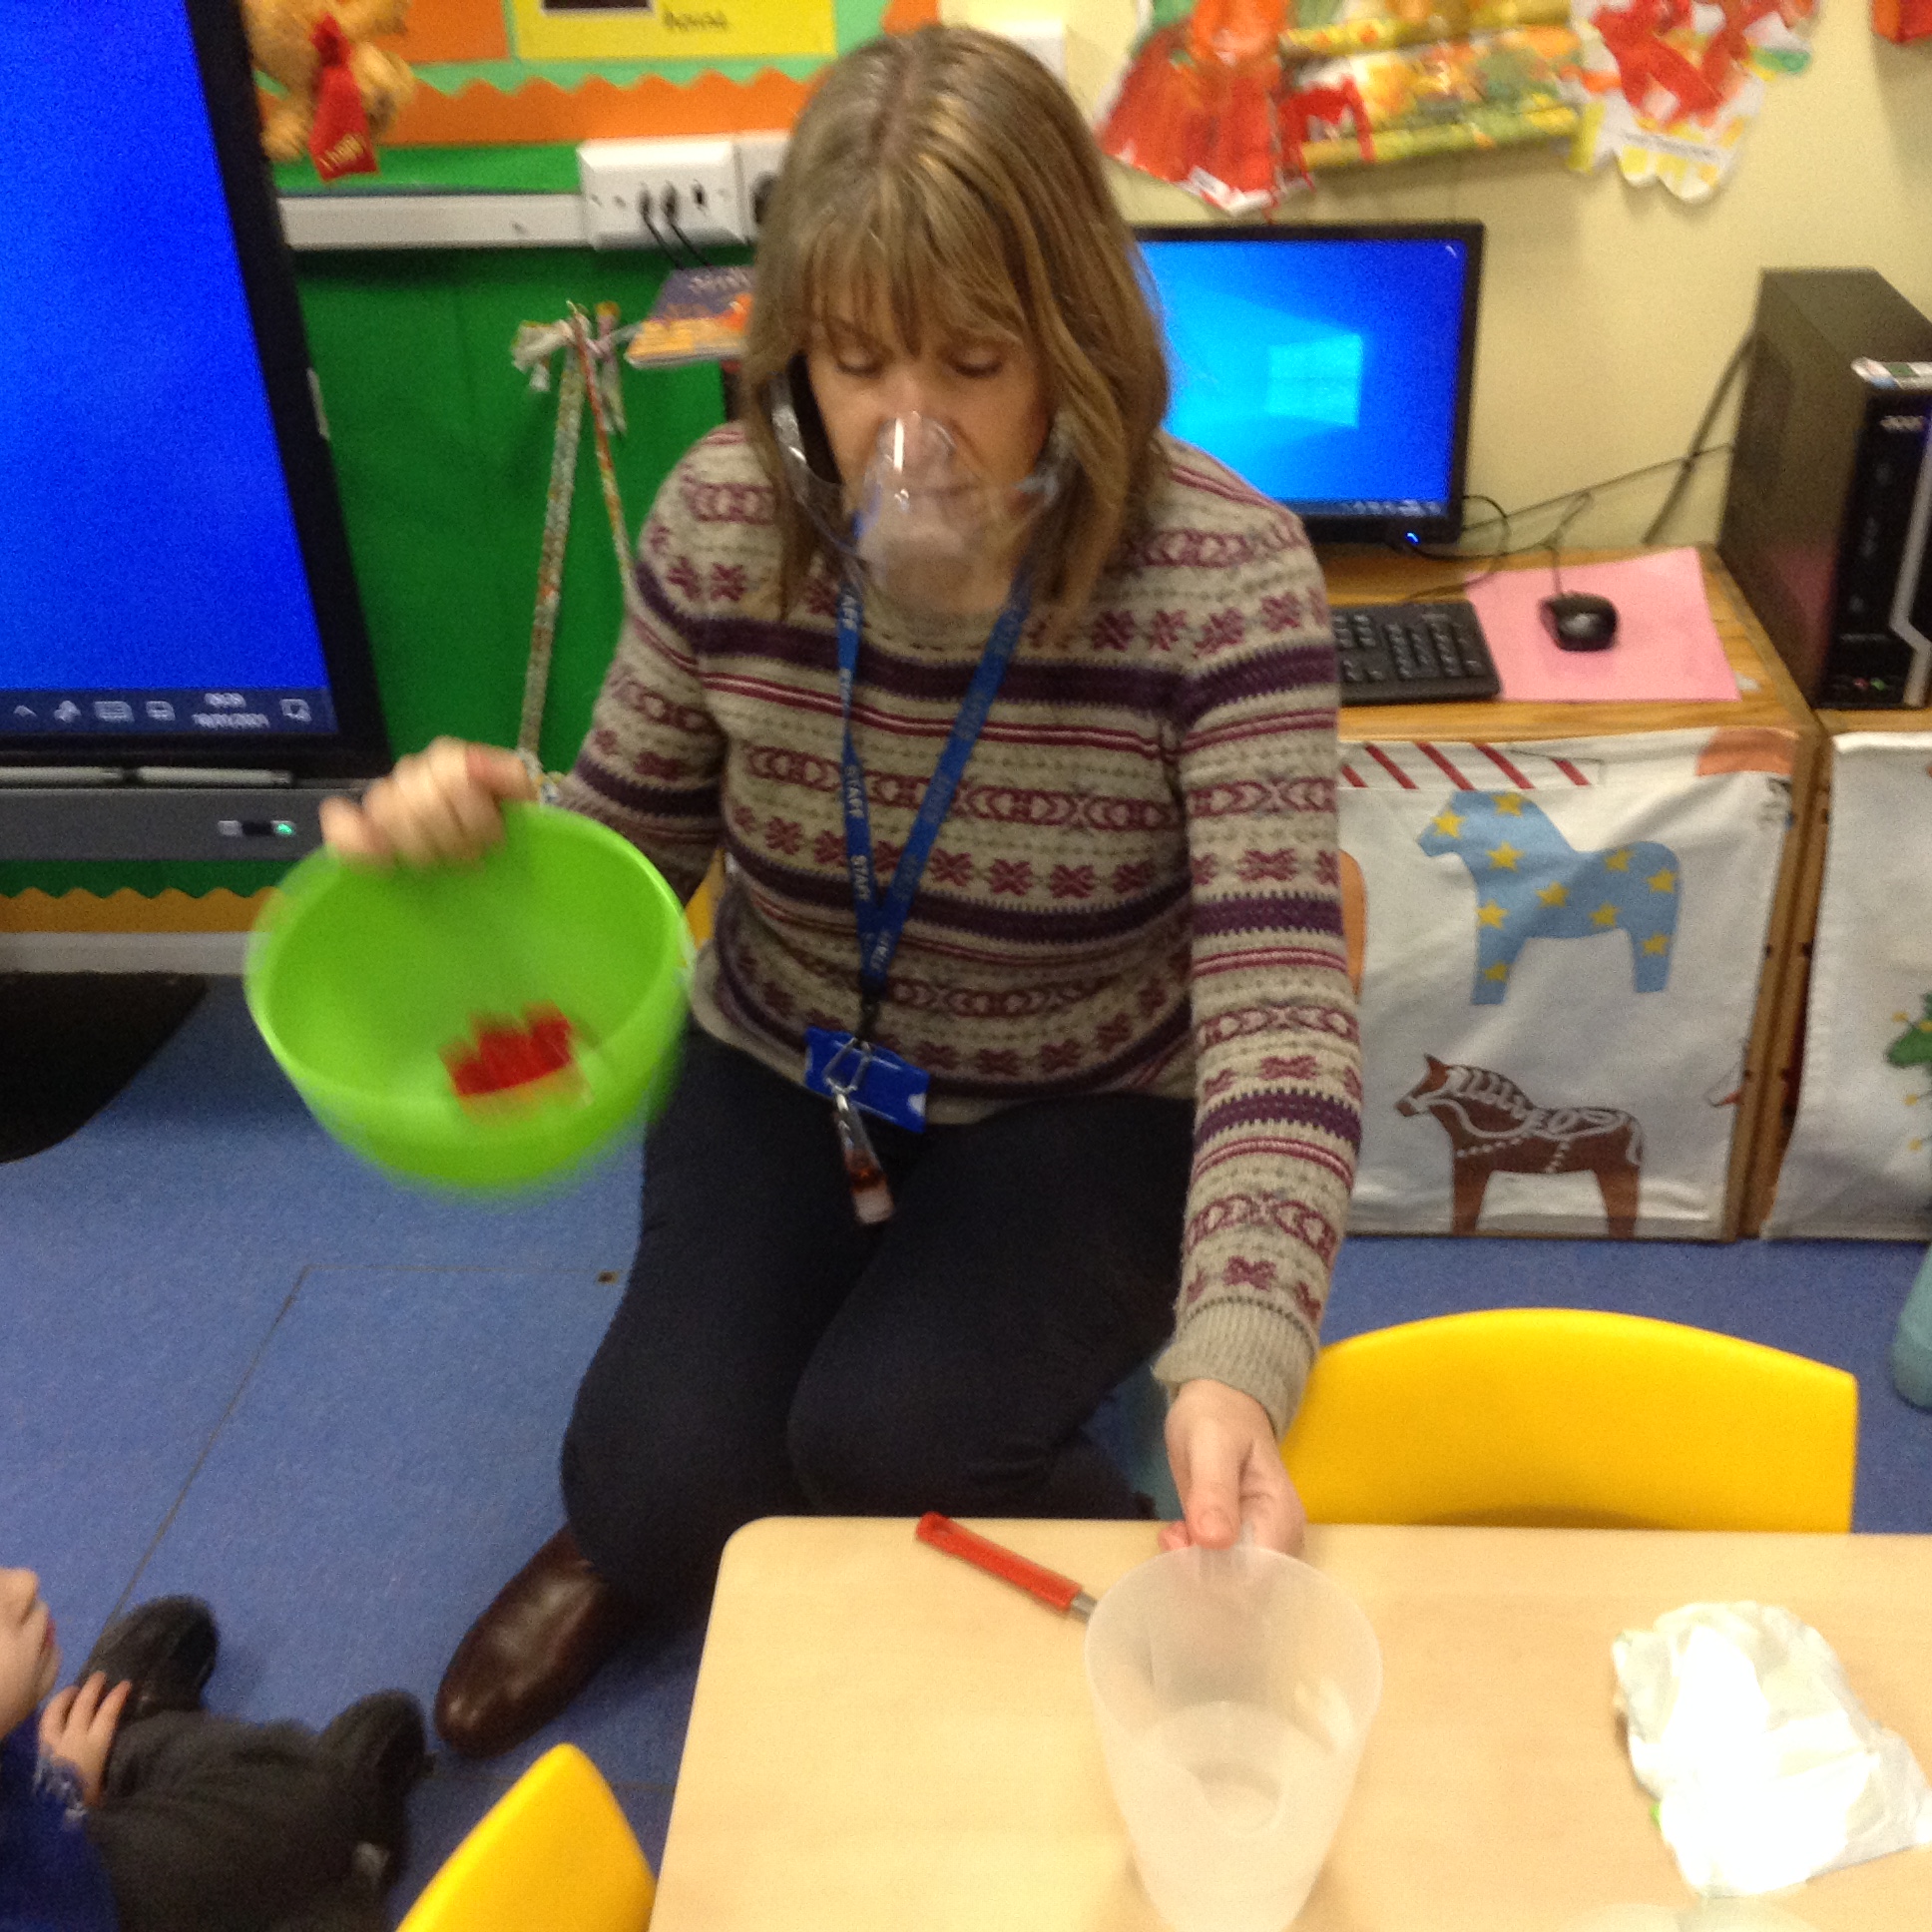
<point>338,90</point>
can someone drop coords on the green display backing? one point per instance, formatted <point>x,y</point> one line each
<point>442,452</point>
<point>542,168</point>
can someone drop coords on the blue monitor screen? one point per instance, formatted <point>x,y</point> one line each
<point>1325,370</point>
<point>150,577</point>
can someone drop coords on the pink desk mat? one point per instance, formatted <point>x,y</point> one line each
<point>1667,646</point>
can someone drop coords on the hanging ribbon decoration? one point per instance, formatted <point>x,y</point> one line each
<point>339,141</point>
<point>591,375</point>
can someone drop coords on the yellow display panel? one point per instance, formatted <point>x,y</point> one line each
<point>675,30</point>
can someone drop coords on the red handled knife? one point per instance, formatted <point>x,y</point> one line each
<point>1057,1591</point>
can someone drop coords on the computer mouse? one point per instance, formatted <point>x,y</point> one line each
<point>1580,621</point>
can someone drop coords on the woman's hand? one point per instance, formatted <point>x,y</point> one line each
<point>437,807</point>
<point>78,1727</point>
<point>1227,1470</point>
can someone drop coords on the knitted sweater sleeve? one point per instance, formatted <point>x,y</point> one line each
<point>1277,1121</point>
<point>651,763</point>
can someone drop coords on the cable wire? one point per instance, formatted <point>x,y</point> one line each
<point>1731,371</point>
<point>1607,483</point>
<point>661,242</point>
<point>1572,503</point>
<point>697,257</point>
<point>1491,561</point>
<point>670,221</point>
<point>1584,498</point>
<point>658,241</point>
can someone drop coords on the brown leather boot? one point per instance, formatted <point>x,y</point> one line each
<point>552,1625</point>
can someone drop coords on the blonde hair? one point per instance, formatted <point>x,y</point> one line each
<point>944,180</point>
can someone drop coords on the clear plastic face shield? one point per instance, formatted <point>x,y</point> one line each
<point>923,524</point>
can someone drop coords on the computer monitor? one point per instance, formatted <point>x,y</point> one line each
<point>180,639</point>
<point>1328,366</point>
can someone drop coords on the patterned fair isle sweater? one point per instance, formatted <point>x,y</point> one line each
<point>1136,888</point>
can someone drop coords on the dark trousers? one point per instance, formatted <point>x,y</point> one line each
<point>207,1825</point>
<point>771,1356</point>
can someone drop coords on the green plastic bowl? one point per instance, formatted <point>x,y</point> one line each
<point>361,979</point>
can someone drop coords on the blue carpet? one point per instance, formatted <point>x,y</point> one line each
<point>208,1153</point>
<point>237,1361</point>
<point>117,1378</point>
<point>391,1460</point>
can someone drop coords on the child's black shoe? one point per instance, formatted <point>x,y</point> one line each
<point>165,1648</point>
<point>381,1749</point>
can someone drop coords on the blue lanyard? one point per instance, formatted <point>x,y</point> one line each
<point>881,919</point>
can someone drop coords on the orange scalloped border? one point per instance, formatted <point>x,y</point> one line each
<point>126,910</point>
<point>540,110</point>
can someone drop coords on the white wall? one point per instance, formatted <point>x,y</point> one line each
<point>1609,312</point>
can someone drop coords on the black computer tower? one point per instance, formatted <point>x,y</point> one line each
<point>1826,517</point>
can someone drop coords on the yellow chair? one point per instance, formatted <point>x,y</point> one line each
<point>553,1854</point>
<point>700,910</point>
<point>1563,1416</point>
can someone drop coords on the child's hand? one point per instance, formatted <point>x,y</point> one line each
<point>438,806</point>
<point>78,1727</point>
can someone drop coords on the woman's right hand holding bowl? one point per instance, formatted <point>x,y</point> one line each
<point>440,807</point>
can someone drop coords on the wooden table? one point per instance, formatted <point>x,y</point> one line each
<point>886,1740</point>
<point>1767,700</point>
<point>1767,694</point>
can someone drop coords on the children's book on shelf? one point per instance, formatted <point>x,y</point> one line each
<point>700,315</point>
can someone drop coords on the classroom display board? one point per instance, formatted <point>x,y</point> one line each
<point>497,72</point>
<point>1671,90</point>
<point>1559,948</point>
<point>1241,101</point>
<point>1237,100</point>
<point>1859,1161</point>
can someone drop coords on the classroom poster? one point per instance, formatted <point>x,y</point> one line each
<point>1670,87</point>
<point>507,71</point>
<point>1559,949</point>
<point>1859,1162</point>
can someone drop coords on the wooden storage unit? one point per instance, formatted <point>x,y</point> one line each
<point>1768,699</point>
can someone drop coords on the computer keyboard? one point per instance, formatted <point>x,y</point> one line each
<point>1412,654</point>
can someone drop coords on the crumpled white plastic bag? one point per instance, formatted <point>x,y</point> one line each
<point>1765,1767</point>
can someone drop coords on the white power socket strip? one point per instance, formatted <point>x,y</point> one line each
<point>646,194</point>
<point>759,158</point>
<point>713,189</point>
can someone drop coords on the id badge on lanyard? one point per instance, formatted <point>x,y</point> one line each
<point>860,1078</point>
<point>856,1074</point>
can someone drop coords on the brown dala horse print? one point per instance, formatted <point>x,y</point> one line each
<point>1494,1128</point>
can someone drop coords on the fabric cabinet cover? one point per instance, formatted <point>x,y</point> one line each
<point>1859,1162</point>
<point>1559,948</point>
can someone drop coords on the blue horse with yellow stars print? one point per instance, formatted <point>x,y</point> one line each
<point>1531,883</point>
